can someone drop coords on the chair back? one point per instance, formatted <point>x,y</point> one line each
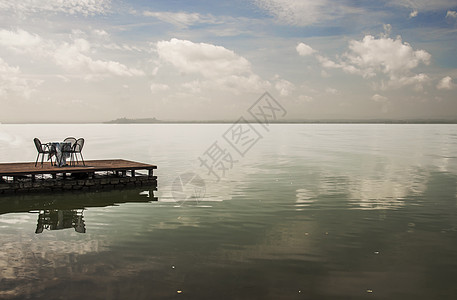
<point>70,140</point>
<point>38,145</point>
<point>78,147</point>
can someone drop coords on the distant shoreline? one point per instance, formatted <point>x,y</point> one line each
<point>336,121</point>
<point>368,121</point>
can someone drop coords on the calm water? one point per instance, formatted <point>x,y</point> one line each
<point>309,212</point>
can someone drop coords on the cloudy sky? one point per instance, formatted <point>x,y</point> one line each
<point>97,60</point>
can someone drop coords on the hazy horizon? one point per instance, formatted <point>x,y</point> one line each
<point>95,61</point>
<point>228,121</point>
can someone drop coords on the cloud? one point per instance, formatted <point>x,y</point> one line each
<point>415,80</point>
<point>446,84</point>
<point>423,5</point>
<point>19,40</point>
<point>12,82</point>
<point>413,14</point>
<point>284,87</point>
<point>100,33</point>
<point>193,86</point>
<point>451,14</point>
<point>159,87</point>
<point>201,58</point>
<point>305,98</point>
<point>304,50</point>
<point>306,12</point>
<point>181,19</point>
<point>387,30</point>
<point>73,56</point>
<point>220,67</point>
<point>328,63</point>
<point>384,56</point>
<point>331,91</point>
<point>379,98</point>
<point>383,101</point>
<point>387,55</point>
<point>73,7</point>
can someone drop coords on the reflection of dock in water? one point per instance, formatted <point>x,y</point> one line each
<point>65,210</point>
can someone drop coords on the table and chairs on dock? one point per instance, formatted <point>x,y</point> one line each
<point>59,174</point>
<point>70,147</point>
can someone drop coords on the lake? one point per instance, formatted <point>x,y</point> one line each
<point>290,211</point>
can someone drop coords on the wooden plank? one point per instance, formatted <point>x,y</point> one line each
<point>17,169</point>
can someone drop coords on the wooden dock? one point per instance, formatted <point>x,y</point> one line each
<point>95,174</point>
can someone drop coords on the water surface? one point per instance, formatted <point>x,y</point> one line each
<point>309,212</point>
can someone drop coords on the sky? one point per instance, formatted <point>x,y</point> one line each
<point>92,61</point>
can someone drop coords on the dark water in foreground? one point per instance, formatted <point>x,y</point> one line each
<point>309,212</point>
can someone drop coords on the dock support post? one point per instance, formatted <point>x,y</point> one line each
<point>133,173</point>
<point>150,172</point>
<point>33,177</point>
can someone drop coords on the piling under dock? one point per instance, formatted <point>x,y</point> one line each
<point>94,175</point>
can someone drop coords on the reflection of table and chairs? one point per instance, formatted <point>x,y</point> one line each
<point>56,219</point>
<point>61,151</point>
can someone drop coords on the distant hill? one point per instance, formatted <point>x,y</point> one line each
<point>134,121</point>
<point>156,121</point>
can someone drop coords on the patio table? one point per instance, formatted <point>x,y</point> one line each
<point>59,150</point>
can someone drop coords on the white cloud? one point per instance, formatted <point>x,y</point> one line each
<point>193,86</point>
<point>413,14</point>
<point>73,56</point>
<point>201,58</point>
<point>220,67</point>
<point>451,14</point>
<point>306,12</point>
<point>331,91</point>
<point>305,98</point>
<point>181,19</point>
<point>387,30</point>
<point>100,33</point>
<point>72,7</point>
<point>12,82</point>
<point>304,50</point>
<point>446,84</point>
<point>423,5</point>
<point>415,80</point>
<point>379,98</point>
<point>383,101</point>
<point>235,84</point>
<point>382,56</point>
<point>328,63</point>
<point>239,83</point>
<point>293,12</point>
<point>159,87</point>
<point>19,40</point>
<point>284,87</point>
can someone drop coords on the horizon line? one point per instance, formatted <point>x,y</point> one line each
<point>292,121</point>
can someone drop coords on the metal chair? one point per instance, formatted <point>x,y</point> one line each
<point>42,149</point>
<point>77,148</point>
<point>67,149</point>
<point>70,140</point>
